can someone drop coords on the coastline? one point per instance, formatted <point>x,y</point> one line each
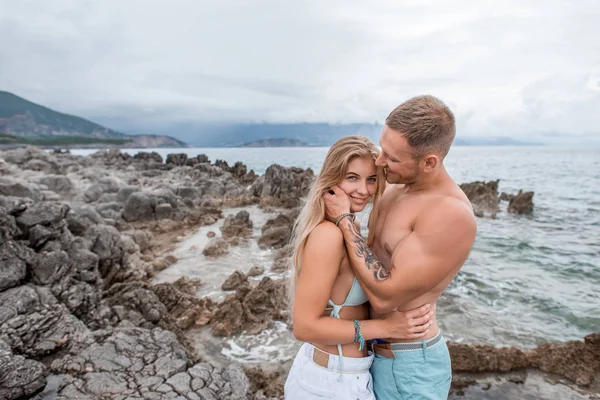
<point>84,236</point>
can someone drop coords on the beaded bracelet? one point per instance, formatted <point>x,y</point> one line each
<point>358,337</point>
<point>342,216</point>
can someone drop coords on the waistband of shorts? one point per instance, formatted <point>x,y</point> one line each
<point>352,365</point>
<point>410,346</point>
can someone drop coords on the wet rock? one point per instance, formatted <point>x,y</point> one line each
<point>578,361</point>
<point>235,280</point>
<point>216,247</point>
<point>239,225</point>
<point>187,285</point>
<point>251,309</point>
<point>19,377</point>
<point>256,271</point>
<point>265,385</point>
<point>182,304</point>
<point>177,159</point>
<point>199,159</point>
<point>163,262</point>
<point>277,232</point>
<point>483,196</point>
<point>282,187</point>
<point>485,358</point>
<point>149,156</point>
<point>281,265</point>
<point>521,203</point>
<point>506,196</point>
<point>211,234</point>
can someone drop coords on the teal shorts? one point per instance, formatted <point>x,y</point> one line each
<point>415,374</point>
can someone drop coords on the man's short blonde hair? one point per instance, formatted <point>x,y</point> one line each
<point>426,122</point>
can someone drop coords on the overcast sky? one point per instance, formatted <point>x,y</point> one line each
<point>505,68</point>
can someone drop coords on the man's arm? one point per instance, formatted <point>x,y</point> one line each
<point>440,241</point>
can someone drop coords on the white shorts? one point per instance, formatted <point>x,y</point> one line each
<point>308,380</point>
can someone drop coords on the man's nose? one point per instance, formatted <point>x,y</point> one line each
<point>380,162</point>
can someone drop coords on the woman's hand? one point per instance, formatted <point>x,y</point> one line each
<point>413,324</point>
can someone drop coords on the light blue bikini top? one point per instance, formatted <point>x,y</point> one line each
<point>356,297</point>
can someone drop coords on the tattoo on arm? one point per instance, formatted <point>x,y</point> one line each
<point>380,272</point>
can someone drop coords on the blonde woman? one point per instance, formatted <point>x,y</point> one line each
<point>330,309</point>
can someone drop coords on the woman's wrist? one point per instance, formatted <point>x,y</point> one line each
<point>375,329</point>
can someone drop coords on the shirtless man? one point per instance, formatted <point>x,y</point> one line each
<point>424,232</point>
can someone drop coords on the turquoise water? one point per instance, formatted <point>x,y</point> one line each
<point>529,279</point>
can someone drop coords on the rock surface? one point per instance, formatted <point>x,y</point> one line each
<point>483,196</point>
<point>282,187</point>
<point>251,309</point>
<point>19,377</point>
<point>521,203</point>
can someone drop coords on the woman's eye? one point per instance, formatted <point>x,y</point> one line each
<point>352,178</point>
<point>373,180</point>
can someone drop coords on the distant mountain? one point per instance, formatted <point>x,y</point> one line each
<point>237,134</point>
<point>312,134</point>
<point>30,123</point>
<point>276,142</point>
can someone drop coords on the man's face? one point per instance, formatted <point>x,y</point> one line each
<point>397,158</point>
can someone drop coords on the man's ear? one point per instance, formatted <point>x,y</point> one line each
<point>430,162</point>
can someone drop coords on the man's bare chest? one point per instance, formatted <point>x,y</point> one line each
<point>394,223</point>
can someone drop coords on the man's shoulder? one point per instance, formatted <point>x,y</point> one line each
<point>450,209</point>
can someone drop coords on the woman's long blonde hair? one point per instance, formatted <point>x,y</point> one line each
<point>332,173</point>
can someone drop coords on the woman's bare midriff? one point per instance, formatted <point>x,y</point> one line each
<point>351,349</point>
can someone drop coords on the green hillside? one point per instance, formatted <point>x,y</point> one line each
<point>20,117</point>
<point>60,141</point>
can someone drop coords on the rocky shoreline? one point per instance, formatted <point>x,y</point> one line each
<point>82,237</point>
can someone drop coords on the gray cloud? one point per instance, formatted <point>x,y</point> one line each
<point>520,69</point>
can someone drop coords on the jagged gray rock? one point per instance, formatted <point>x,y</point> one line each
<point>13,268</point>
<point>216,247</point>
<point>239,225</point>
<point>144,364</point>
<point>282,187</point>
<point>19,377</point>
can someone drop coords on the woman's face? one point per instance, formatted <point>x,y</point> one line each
<point>360,182</point>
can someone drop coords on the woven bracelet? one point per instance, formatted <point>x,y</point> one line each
<point>342,216</point>
<point>358,337</point>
